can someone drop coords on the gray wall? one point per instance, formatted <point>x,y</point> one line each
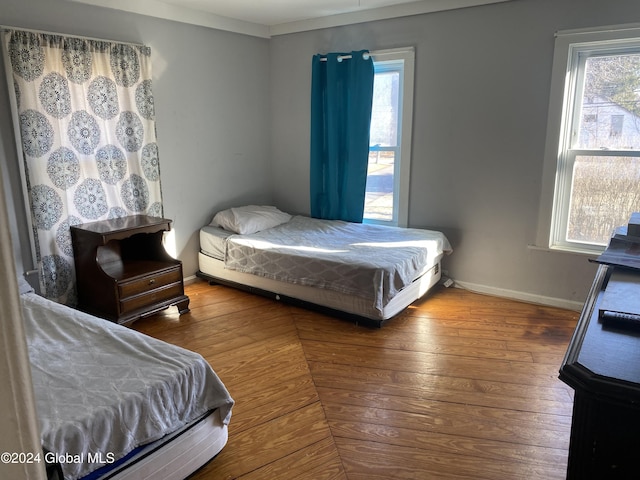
<point>233,125</point>
<point>212,112</point>
<point>481,100</point>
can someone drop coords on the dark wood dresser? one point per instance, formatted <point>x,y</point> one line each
<point>602,365</point>
<point>123,270</point>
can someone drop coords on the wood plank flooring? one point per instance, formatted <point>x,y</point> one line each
<point>459,386</point>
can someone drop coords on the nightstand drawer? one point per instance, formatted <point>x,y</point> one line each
<point>149,283</point>
<point>157,295</point>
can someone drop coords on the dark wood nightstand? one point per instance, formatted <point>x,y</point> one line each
<point>123,271</point>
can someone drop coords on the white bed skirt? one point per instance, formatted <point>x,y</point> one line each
<point>359,306</point>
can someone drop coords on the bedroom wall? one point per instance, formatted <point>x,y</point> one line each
<point>211,106</point>
<point>481,99</point>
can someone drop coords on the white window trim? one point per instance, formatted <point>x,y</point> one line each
<point>402,179</point>
<point>562,89</point>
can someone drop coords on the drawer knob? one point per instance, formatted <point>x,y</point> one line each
<point>152,281</point>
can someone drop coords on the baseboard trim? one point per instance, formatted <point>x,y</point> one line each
<point>521,296</point>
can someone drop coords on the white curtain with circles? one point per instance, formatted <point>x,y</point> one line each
<point>86,120</point>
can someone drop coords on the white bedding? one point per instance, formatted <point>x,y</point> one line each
<point>213,241</point>
<point>102,388</point>
<point>370,261</point>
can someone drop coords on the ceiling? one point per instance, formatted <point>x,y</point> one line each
<point>276,12</point>
<point>266,18</point>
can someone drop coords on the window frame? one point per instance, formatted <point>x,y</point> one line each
<point>572,47</point>
<point>384,60</point>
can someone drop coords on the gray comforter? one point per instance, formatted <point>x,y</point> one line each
<point>105,389</point>
<point>369,261</point>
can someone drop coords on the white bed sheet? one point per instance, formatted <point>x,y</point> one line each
<point>103,388</point>
<point>213,241</point>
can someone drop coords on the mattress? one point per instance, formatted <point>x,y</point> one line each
<point>102,389</point>
<point>369,261</point>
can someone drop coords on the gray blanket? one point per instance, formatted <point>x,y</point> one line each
<point>105,389</point>
<point>370,261</point>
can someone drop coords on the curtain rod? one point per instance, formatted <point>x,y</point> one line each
<point>5,28</point>
<point>345,57</point>
<point>379,53</point>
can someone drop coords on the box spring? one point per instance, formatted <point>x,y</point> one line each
<point>332,302</point>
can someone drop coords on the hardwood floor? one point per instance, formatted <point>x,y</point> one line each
<point>460,386</point>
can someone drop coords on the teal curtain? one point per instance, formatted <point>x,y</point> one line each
<point>341,97</point>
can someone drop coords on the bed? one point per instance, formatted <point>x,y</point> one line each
<point>368,273</point>
<point>115,403</point>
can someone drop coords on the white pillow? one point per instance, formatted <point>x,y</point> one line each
<point>250,218</point>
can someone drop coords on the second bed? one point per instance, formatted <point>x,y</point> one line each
<point>368,272</point>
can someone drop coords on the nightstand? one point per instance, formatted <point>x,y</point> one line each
<point>123,271</point>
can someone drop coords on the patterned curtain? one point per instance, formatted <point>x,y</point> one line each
<point>86,120</point>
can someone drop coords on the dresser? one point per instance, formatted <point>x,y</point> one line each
<point>602,365</point>
<point>123,271</point>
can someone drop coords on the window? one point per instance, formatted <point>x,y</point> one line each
<point>387,191</point>
<point>617,121</point>
<point>594,141</point>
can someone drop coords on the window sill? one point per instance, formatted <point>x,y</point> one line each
<point>572,250</point>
